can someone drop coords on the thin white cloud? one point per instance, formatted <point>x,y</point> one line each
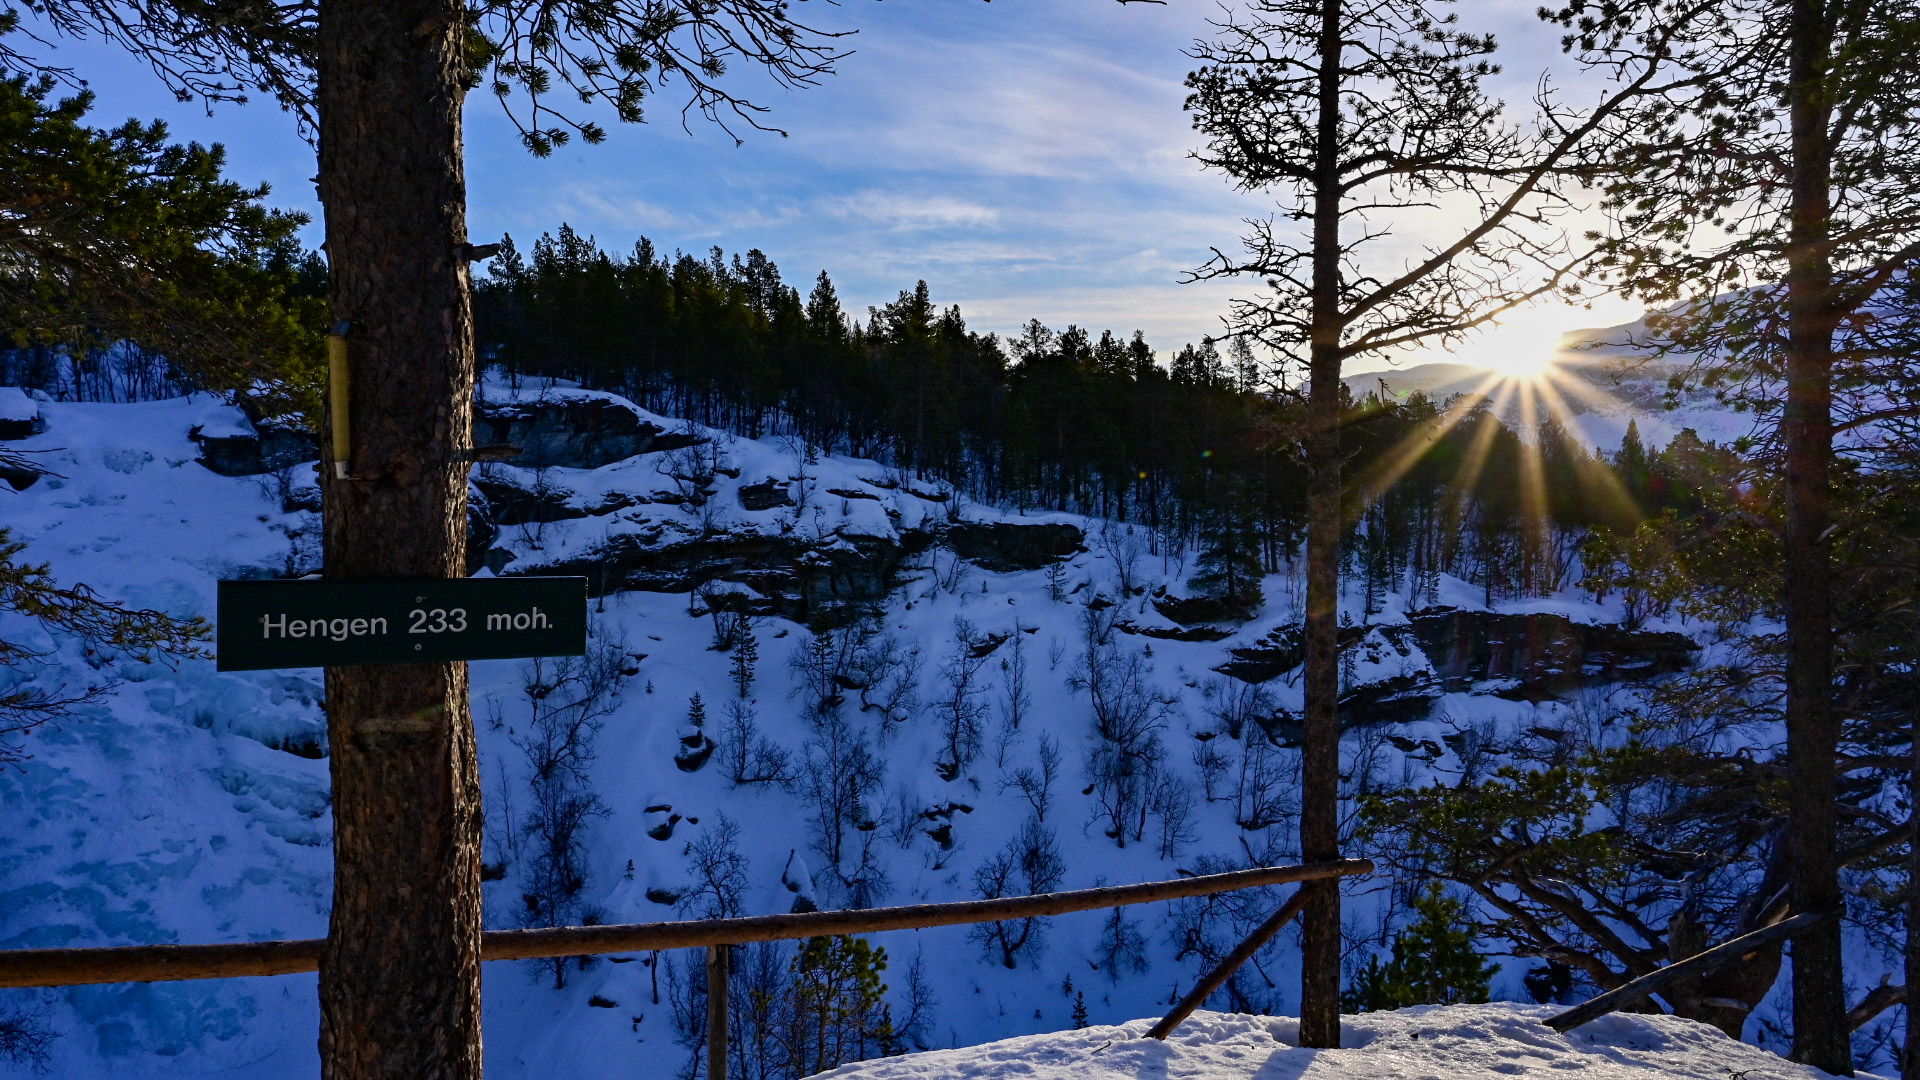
<point>602,203</point>
<point>1060,105</point>
<point>906,210</point>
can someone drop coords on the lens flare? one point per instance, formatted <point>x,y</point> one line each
<point>1532,382</point>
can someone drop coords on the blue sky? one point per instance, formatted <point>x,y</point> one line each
<point>1028,158</point>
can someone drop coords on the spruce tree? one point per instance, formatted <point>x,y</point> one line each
<point>746,654</point>
<point>1057,582</point>
<point>122,236</point>
<point>1433,961</point>
<point>1228,568</point>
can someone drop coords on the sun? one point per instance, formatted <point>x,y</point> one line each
<point>1524,388</point>
<point>1523,344</point>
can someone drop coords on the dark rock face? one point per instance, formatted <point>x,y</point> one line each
<point>1544,654</point>
<point>21,429</point>
<point>1193,611</point>
<point>823,586</point>
<point>1269,658</point>
<point>578,433</point>
<point>270,448</point>
<point>765,495</point>
<point>1012,546</point>
<point>1400,697</point>
<point>511,501</point>
<point>1539,656</point>
<point>1396,698</point>
<point>1175,633</point>
<point>521,500</point>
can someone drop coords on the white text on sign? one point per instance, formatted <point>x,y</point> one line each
<point>336,629</point>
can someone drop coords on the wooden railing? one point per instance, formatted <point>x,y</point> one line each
<point>160,963</point>
<point>1704,963</point>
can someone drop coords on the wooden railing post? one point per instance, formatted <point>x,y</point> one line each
<point>1215,979</point>
<point>717,1011</point>
<point>1699,964</point>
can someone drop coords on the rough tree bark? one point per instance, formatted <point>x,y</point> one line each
<point>1320,736</point>
<point>400,976</point>
<point>1910,1058</point>
<point>1819,988</point>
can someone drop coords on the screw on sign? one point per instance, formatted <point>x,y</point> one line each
<point>291,624</point>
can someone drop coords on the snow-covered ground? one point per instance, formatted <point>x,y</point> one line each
<point>1433,1042</point>
<point>191,806</point>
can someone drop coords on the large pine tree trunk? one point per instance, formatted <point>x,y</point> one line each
<point>1910,1057</point>
<point>1320,735</point>
<point>400,977</point>
<point>1819,987</point>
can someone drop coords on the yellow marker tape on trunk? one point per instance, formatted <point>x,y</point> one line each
<point>338,391</point>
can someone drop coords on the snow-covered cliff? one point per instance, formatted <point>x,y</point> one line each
<point>930,683</point>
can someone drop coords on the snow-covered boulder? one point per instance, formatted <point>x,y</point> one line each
<point>19,414</point>
<point>236,446</point>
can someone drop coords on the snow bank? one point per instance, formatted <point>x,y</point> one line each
<point>16,405</point>
<point>1433,1042</point>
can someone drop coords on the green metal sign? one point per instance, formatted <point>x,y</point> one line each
<point>296,624</point>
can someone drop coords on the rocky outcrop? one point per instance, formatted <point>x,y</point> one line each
<point>765,495</point>
<point>1193,611</point>
<point>1394,684</point>
<point>1003,545</point>
<point>1391,680</point>
<point>1542,654</point>
<point>269,447</point>
<point>578,432</point>
<point>1407,666</point>
<point>821,584</point>
<point>1175,633</point>
<point>512,502</point>
<point>1274,655</point>
<point>516,498</point>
